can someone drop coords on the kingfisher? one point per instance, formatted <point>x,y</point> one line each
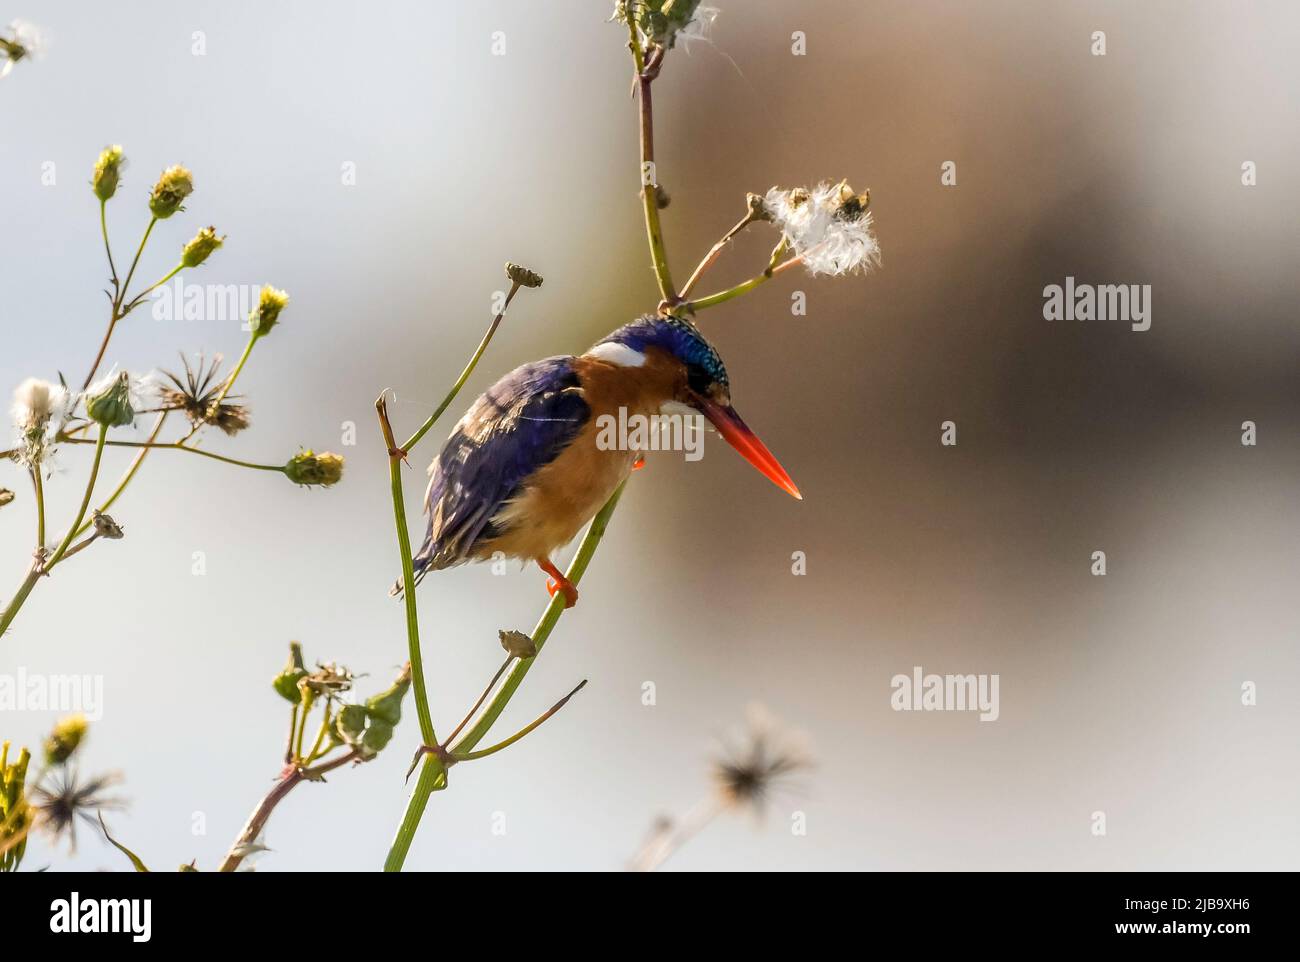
<point>523,472</point>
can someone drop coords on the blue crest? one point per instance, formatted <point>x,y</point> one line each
<point>678,337</point>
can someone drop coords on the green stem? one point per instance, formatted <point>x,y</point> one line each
<point>140,250</point>
<point>433,777</point>
<point>414,439</point>
<point>103,229</point>
<point>39,486</point>
<point>20,596</point>
<point>649,191</point>
<point>744,287</point>
<point>130,472</point>
<point>421,695</point>
<point>139,298</point>
<point>550,617</point>
<point>485,752</point>
<point>433,774</point>
<point>175,446</point>
<point>117,313</point>
<point>230,381</point>
<point>85,498</point>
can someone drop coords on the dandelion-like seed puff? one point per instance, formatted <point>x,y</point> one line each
<point>829,226</point>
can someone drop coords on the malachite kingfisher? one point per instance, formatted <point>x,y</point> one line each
<point>522,471</point>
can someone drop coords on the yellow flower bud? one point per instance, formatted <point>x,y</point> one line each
<point>107,170</point>
<point>204,243</point>
<point>267,313</point>
<point>170,192</point>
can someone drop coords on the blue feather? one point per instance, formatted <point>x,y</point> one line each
<point>518,426</point>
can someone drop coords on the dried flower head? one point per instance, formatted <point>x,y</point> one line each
<point>197,397</point>
<point>112,400</point>
<point>310,468</point>
<point>170,192</point>
<point>267,313</point>
<point>517,644</point>
<point>63,742</point>
<point>108,169</point>
<point>522,275</point>
<point>328,679</point>
<point>204,243</point>
<point>24,41</point>
<point>40,409</point>
<point>748,775</point>
<point>58,808</point>
<point>829,226</point>
<point>106,527</point>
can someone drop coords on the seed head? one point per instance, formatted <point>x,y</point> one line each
<point>197,395</point>
<point>828,225</point>
<point>170,192</point>
<point>309,468</point>
<point>747,776</point>
<point>523,276</point>
<point>108,169</point>
<point>39,411</point>
<point>106,527</point>
<point>204,243</point>
<point>517,644</point>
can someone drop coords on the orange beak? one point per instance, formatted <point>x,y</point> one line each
<point>737,433</point>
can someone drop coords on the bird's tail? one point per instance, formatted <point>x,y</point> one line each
<point>420,563</point>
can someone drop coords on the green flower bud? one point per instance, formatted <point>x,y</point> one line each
<point>109,402</point>
<point>204,243</point>
<point>65,739</point>
<point>286,683</point>
<point>308,468</point>
<point>350,723</point>
<point>107,170</point>
<point>376,737</point>
<point>169,193</point>
<point>387,707</point>
<point>267,313</point>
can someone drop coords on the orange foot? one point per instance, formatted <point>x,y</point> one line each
<point>557,582</point>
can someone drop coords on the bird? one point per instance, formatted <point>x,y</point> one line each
<point>522,472</point>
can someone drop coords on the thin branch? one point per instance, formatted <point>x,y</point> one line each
<point>484,752</point>
<point>715,252</point>
<point>645,75</point>
<point>177,446</point>
<point>414,439</point>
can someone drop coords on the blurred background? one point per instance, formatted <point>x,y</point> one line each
<point>1119,694</point>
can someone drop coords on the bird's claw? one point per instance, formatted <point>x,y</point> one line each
<point>566,586</point>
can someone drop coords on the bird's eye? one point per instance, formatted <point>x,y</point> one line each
<point>698,380</point>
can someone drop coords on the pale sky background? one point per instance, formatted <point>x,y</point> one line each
<point>1118,694</point>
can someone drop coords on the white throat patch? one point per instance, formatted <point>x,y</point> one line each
<point>619,354</point>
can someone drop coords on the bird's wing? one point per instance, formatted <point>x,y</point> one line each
<point>516,427</point>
